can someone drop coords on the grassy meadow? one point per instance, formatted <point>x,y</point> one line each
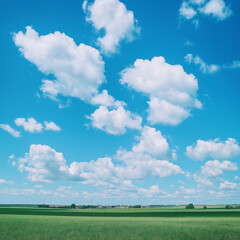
<point>147,223</point>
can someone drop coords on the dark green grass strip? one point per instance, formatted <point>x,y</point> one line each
<point>99,213</point>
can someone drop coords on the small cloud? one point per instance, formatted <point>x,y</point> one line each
<point>10,130</point>
<point>51,126</point>
<point>29,125</point>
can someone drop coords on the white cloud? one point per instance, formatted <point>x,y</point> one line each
<point>113,17</point>
<point>211,170</point>
<point>237,178</point>
<point>217,9</point>
<point>115,121</point>
<point>204,67</point>
<point>152,142</point>
<point>105,99</point>
<point>171,90</point>
<point>44,164</point>
<point>187,11</point>
<point>65,192</point>
<point>78,70</point>
<point>228,185</point>
<point>214,148</point>
<point>152,191</point>
<point>191,9</point>
<point>24,192</point>
<point>2,180</point>
<point>10,130</point>
<point>51,126</point>
<point>209,68</point>
<point>215,168</point>
<point>29,125</point>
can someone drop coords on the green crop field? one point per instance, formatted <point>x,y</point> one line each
<point>149,223</point>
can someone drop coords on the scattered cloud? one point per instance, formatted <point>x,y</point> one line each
<point>216,9</point>
<point>187,11</point>
<point>2,180</point>
<point>24,192</point>
<point>204,67</point>
<point>228,185</point>
<point>192,9</point>
<point>117,22</point>
<point>209,68</point>
<point>51,126</point>
<point>214,149</point>
<point>29,125</point>
<point>32,126</point>
<point>172,92</point>
<point>115,121</point>
<point>10,130</point>
<point>211,170</point>
<point>78,70</point>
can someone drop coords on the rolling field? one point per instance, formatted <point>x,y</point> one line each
<point>110,224</point>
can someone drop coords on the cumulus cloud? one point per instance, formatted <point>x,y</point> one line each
<point>211,170</point>
<point>204,67</point>
<point>214,148</point>
<point>215,168</point>
<point>115,121</point>
<point>78,69</point>
<point>191,9</point>
<point>113,17</point>
<point>29,125</point>
<point>44,164</point>
<point>152,142</point>
<point>172,92</point>
<point>51,126</point>
<point>10,130</point>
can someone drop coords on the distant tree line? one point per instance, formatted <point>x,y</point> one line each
<point>43,206</point>
<point>232,207</point>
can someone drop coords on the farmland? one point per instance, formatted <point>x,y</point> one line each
<point>147,223</point>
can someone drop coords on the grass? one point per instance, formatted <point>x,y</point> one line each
<point>118,224</point>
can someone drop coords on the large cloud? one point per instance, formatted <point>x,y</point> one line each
<point>78,70</point>
<point>171,90</point>
<point>44,164</point>
<point>117,22</point>
<point>214,148</point>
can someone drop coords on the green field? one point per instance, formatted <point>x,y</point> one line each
<point>149,223</point>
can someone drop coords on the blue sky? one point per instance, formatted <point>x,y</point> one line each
<point>109,102</point>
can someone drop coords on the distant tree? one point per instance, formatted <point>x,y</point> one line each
<point>228,207</point>
<point>189,206</point>
<point>136,206</point>
<point>205,207</point>
<point>43,206</point>
<point>73,205</point>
